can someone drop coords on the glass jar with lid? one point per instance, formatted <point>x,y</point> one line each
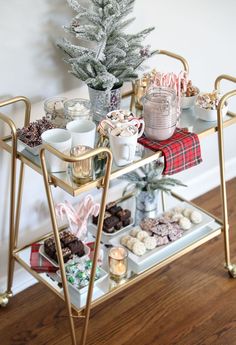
<point>54,109</point>
<point>77,109</point>
<point>160,112</point>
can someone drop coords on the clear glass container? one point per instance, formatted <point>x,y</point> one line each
<point>77,109</point>
<point>118,263</point>
<point>81,171</point>
<point>54,109</point>
<point>160,112</point>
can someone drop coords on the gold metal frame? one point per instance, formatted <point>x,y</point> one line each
<point>230,267</point>
<point>105,186</point>
<point>15,208</point>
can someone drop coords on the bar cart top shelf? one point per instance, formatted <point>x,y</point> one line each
<point>143,156</point>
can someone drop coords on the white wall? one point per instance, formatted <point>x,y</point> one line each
<point>30,64</point>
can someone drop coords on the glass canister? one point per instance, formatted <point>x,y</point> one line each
<point>77,109</point>
<point>160,112</point>
<point>54,109</point>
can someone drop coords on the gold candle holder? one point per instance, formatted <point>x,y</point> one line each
<point>118,263</point>
<point>140,88</point>
<point>82,171</point>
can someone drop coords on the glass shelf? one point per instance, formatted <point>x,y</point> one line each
<point>143,155</point>
<point>108,288</point>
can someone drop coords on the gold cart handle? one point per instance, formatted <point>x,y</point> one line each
<point>223,77</point>
<point>217,86</point>
<point>177,57</point>
<point>17,99</point>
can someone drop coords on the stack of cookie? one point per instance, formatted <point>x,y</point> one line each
<point>70,244</point>
<point>115,218</point>
<point>138,241</point>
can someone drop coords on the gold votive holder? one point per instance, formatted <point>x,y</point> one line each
<point>81,171</point>
<point>140,88</point>
<point>118,263</point>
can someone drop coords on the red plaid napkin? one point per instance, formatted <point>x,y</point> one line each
<point>38,262</point>
<point>182,151</point>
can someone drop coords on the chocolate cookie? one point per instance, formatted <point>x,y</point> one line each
<point>76,247</point>
<point>124,214</point>
<point>110,222</point>
<point>114,210</point>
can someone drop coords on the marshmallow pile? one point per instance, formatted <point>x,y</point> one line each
<point>126,131</point>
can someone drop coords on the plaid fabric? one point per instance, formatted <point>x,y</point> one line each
<point>38,263</point>
<point>182,151</point>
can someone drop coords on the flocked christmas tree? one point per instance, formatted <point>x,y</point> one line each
<point>115,55</point>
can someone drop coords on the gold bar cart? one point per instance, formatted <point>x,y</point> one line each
<point>62,180</point>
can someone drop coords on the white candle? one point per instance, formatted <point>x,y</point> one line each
<point>118,262</point>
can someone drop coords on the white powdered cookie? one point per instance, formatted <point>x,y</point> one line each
<point>124,240</point>
<point>185,223</point>
<point>168,214</point>
<point>134,232</point>
<point>178,209</point>
<point>141,235</point>
<point>150,243</point>
<point>187,212</point>
<point>139,248</point>
<point>196,217</point>
<point>131,242</point>
<point>176,217</point>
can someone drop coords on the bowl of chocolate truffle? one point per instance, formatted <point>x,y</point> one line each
<point>29,137</point>
<point>189,96</point>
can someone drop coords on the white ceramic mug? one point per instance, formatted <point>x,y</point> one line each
<point>61,140</point>
<point>82,132</point>
<point>123,147</point>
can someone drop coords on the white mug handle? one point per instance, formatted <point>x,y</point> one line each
<point>126,152</point>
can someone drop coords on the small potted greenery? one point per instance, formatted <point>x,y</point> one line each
<point>147,181</point>
<point>103,53</point>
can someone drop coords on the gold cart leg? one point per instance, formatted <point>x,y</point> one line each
<point>105,186</point>
<point>8,293</point>
<point>58,245</point>
<point>16,228</point>
<point>231,267</point>
<point>14,222</point>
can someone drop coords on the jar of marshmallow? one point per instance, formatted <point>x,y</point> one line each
<point>77,109</point>
<point>54,110</point>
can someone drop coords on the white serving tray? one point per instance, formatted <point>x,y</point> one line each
<point>140,263</point>
<point>53,262</point>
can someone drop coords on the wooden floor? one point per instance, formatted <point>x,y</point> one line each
<point>191,301</point>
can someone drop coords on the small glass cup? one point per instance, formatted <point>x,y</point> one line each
<point>81,171</point>
<point>77,109</point>
<point>54,110</point>
<point>118,263</point>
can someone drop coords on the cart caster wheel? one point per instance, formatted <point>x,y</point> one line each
<point>4,298</point>
<point>232,271</point>
<point>4,301</point>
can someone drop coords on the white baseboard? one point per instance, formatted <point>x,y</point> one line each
<point>22,280</point>
<point>197,186</point>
